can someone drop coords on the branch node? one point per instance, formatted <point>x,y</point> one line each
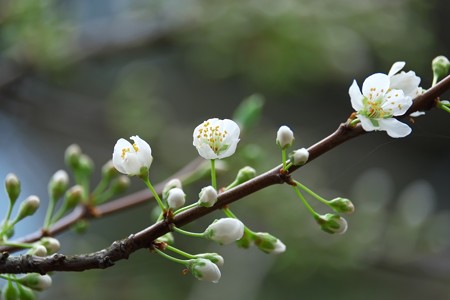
<point>4,257</point>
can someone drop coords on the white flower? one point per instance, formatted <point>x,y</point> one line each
<point>279,247</point>
<point>36,281</point>
<point>131,158</point>
<point>285,137</point>
<point>176,198</point>
<point>377,105</point>
<point>204,269</point>
<point>268,243</point>
<point>408,82</point>
<point>299,157</point>
<point>51,244</point>
<point>208,196</point>
<point>216,138</point>
<point>225,231</point>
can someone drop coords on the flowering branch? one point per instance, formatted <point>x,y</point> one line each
<point>145,239</point>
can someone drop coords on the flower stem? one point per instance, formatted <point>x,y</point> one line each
<point>309,191</point>
<point>185,208</point>
<point>213,174</point>
<point>188,233</point>
<point>299,194</point>
<point>283,158</point>
<point>155,194</point>
<point>17,244</point>
<point>48,215</point>
<point>178,251</point>
<point>177,260</point>
<point>101,187</point>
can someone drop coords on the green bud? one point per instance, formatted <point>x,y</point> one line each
<point>36,281</point>
<point>268,243</point>
<point>213,257</point>
<point>72,156</point>
<point>81,226</point>
<point>245,174</point>
<point>332,223</point>
<point>73,196</point>
<point>12,186</point>
<point>86,165</point>
<point>58,184</point>
<point>26,293</point>
<point>109,171</point>
<point>120,184</point>
<point>9,292</point>
<point>172,183</point>
<point>440,66</point>
<point>342,205</point>
<point>168,238</point>
<point>27,208</point>
<point>249,111</point>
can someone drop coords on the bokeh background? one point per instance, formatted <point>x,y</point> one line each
<point>89,72</point>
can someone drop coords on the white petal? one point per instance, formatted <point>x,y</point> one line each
<point>375,85</point>
<point>356,97</point>
<point>206,152</point>
<point>397,66</point>
<point>366,123</point>
<point>144,153</point>
<point>396,103</point>
<point>407,82</point>
<point>117,154</point>
<point>131,164</point>
<point>394,127</point>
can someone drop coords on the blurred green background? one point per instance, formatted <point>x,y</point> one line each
<point>89,72</point>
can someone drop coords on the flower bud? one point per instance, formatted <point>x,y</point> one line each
<point>172,183</point>
<point>332,223</point>
<point>213,257</point>
<point>168,238</point>
<point>86,165</point>
<point>72,156</point>
<point>12,185</point>
<point>204,269</point>
<point>208,196</point>
<point>109,171</point>
<point>27,208</point>
<point>58,184</point>
<point>245,174</point>
<point>440,66</point>
<point>299,157</point>
<point>225,231</point>
<point>36,281</point>
<point>9,292</point>
<point>73,196</point>
<point>342,205</point>
<point>268,243</point>
<point>38,250</point>
<point>285,137</point>
<point>120,184</point>
<point>176,198</point>
<point>245,241</point>
<point>51,244</point>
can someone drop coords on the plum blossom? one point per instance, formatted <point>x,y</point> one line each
<point>216,138</point>
<point>408,82</point>
<point>378,104</point>
<point>131,158</point>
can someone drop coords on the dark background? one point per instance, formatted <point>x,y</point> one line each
<point>90,72</point>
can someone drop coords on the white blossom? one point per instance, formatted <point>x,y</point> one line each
<point>377,105</point>
<point>131,158</point>
<point>299,157</point>
<point>225,231</point>
<point>208,196</point>
<point>216,138</point>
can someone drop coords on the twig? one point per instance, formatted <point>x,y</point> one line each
<point>144,239</point>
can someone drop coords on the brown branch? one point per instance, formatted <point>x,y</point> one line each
<point>144,239</point>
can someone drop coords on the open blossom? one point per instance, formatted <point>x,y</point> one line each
<point>131,158</point>
<point>216,138</point>
<point>378,103</point>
